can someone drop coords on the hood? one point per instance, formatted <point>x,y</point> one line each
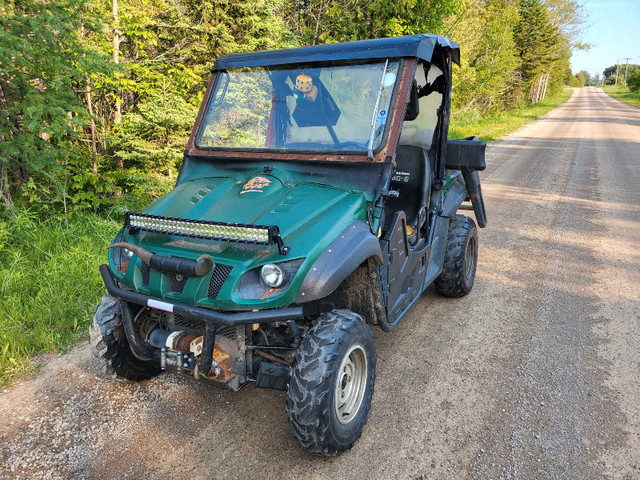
<point>309,216</point>
<point>300,211</point>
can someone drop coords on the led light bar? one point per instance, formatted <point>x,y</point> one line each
<point>232,232</point>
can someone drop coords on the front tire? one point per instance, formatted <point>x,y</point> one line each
<point>332,382</point>
<point>460,260</point>
<point>110,348</point>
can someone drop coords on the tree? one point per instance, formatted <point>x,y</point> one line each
<point>155,134</point>
<point>609,73</point>
<point>44,65</point>
<point>488,77</point>
<point>634,81</point>
<point>610,80</point>
<point>569,18</point>
<point>328,21</point>
<point>541,46</point>
<point>584,76</point>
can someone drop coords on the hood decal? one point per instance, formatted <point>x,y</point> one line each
<point>256,184</point>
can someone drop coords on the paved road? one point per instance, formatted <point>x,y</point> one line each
<point>535,375</point>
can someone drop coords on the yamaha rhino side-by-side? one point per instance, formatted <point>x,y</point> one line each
<point>318,198</point>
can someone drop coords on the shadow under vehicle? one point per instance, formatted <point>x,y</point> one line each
<point>318,197</point>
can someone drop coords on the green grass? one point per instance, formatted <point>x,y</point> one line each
<point>49,284</point>
<point>622,93</point>
<point>496,126</point>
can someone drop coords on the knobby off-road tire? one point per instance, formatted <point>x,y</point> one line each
<point>110,348</point>
<point>461,258</point>
<point>331,384</point>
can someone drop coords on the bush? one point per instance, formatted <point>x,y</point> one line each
<point>576,81</point>
<point>634,82</point>
<point>49,282</point>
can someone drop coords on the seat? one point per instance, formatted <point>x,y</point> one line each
<point>412,179</point>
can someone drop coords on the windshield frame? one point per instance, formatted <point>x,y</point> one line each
<point>219,74</point>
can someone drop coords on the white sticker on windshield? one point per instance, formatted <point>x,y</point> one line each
<point>381,118</point>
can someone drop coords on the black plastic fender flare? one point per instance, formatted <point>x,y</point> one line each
<point>347,252</point>
<point>467,185</point>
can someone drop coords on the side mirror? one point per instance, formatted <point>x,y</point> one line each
<point>413,107</point>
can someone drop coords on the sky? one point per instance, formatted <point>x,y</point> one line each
<point>613,28</point>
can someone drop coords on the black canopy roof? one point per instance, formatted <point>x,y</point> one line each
<point>420,46</point>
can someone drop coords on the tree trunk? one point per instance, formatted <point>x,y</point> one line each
<point>4,178</point>
<point>4,187</point>
<point>117,117</point>
<point>546,83</point>
<point>94,148</point>
<point>318,19</point>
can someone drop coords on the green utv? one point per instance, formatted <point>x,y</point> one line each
<point>318,197</point>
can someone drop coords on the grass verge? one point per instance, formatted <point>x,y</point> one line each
<point>496,126</point>
<point>49,284</point>
<point>622,93</point>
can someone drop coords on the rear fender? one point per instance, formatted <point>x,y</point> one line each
<point>354,246</point>
<point>468,156</point>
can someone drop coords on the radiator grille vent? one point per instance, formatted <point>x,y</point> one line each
<point>146,270</point>
<point>220,274</point>
<point>177,282</point>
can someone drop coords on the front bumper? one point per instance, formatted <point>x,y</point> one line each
<point>188,311</point>
<point>212,319</point>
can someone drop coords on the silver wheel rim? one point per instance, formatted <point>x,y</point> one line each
<point>351,384</point>
<point>470,257</point>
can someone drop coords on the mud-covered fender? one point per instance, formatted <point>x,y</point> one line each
<point>346,253</point>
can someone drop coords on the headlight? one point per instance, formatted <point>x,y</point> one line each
<point>269,280</point>
<point>272,275</point>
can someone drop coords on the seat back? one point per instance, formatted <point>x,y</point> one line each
<point>412,179</point>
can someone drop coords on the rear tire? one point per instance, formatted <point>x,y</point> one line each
<point>460,260</point>
<point>331,384</point>
<point>110,348</point>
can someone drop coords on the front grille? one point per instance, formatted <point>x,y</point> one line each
<point>233,332</point>
<point>218,277</point>
<point>177,282</point>
<point>146,271</point>
<point>194,323</point>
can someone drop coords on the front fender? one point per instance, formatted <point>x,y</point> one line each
<point>346,253</point>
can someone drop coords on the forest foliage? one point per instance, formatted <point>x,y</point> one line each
<point>98,97</point>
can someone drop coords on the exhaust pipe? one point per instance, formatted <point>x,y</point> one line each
<point>175,265</point>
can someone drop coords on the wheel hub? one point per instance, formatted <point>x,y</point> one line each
<point>470,257</point>
<point>351,384</point>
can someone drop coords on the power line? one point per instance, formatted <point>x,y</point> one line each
<point>617,68</point>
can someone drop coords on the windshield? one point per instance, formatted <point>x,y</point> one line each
<point>325,108</point>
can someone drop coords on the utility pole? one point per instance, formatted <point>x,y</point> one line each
<point>626,67</point>
<point>617,69</point>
